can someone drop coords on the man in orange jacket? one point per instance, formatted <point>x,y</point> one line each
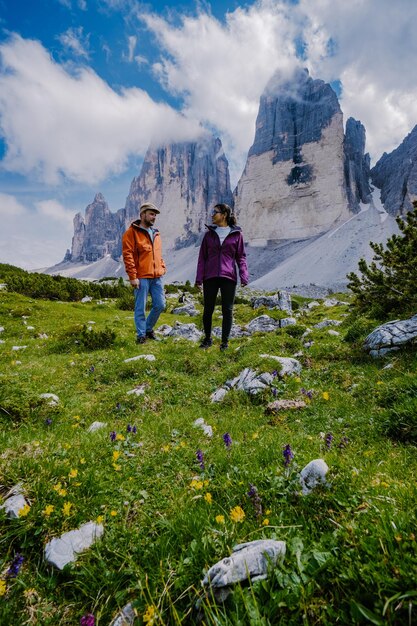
<point>142,256</point>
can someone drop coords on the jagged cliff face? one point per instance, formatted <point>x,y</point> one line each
<point>184,180</point>
<point>357,165</point>
<point>97,234</point>
<point>395,174</point>
<point>293,185</point>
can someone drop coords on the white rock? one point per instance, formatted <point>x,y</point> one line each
<point>96,426</point>
<point>65,549</point>
<point>126,617</point>
<point>289,365</point>
<point>53,399</point>
<point>43,336</point>
<point>13,505</point>
<point>1,329</point>
<point>312,475</point>
<point>333,333</point>
<point>145,357</point>
<point>218,395</point>
<point>30,328</point>
<point>86,299</point>
<point>137,391</point>
<point>18,347</point>
<point>206,428</point>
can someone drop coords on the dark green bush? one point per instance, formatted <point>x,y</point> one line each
<point>97,339</point>
<point>126,302</point>
<point>399,399</point>
<point>295,331</point>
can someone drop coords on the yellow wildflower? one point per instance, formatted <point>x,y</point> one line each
<point>24,511</point>
<point>220,519</point>
<point>66,509</point>
<point>36,443</point>
<point>298,379</point>
<point>116,455</point>
<point>265,522</point>
<point>183,444</point>
<point>208,498</point>
<point>196,484</point>
<point>82,461</point>
<point>75,425</point>
<point>73,473</point>
<point>379,382</point>
<point>268,512</point>
<point>113,513</point>
<point>384,484</point>
<point>3,587</point>
<point>100,519</point>
<point>67,446</point>
<point>255,436</point>
<point>237,514</point>
<point>48,510</point>
<point>166,448</point>
<point>206,483</point>
<point>325,395</point>
<point>117,467</point>
<point>149,616</point>
<point>120,437</point>
<point>76,417</point>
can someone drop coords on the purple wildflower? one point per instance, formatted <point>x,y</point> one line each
<point>343,442</point>
<point>113,435</point>
<point>14,568</point>
<point>87,620</point>
<point>256,499</point>
<point>129,428</point>
<point>48,421</point>
<point>275,373</point>
<point>328,440</point>
<point>288,455</point>
<point>200,458</point>
<point>308,393</point>
<point>134,430</point>
<point>274,391</point>
<point>92,369</point>
<point>118,406</point>
<point>227,440</point>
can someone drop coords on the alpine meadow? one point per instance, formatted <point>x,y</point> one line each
<point>176,480</point>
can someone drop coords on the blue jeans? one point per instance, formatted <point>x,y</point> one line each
<point>152,286</point>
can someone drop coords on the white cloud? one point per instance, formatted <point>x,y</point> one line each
<point>56,124</point>
<point>131,44</point>
<point>33,238</point>
<point>371,47</point>
<point>221,69</point>
<point>75,41</point>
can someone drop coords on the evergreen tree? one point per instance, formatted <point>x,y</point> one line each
<point>388,285</point>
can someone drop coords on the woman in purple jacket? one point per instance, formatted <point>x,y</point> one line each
<point>221,250</point>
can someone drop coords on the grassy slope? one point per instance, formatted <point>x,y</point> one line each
<point>350,549</point>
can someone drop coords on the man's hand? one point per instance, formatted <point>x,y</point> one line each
<point>135,283</point>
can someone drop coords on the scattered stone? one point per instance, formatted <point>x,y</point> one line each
<point>281,300</point>
<point>86,299</point>
<point>285,405</point>
<point>206,428</point>
<point>248,380</point>
<point>43,336</point>
<point>138,391</point>
<point>96,426</point>
<point>18,347</point>
<point>312,475</point>
<point>248,561</point>
<point>333,333</point>
<point>218,395</point>
<point>65,549</point>
<point>164,329</point>
<point>187,309</point>
<point>308,344</point>
<point>186,331</point>
<point>15,503</point>
<point>53,399</point>
<point>263,324</point>
<point>391,336</point>
<point>326,323</point>
<point>145,357</point>
<point>329,302</point>
<point>30,328</point>
<point>312,305</point>
<point>389,366</point>
<point>289,366</point>
<point>126,617</point>
<point>235,332</point>
<point>287,321</point>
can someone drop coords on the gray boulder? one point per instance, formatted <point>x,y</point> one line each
<point>391,336</point>
<point>126,617</point>
<point>65,549</point>
<point>14,504</point>
<point>186,309</point>
<point>263,324</point>
<point>248,561</point>
<point>281,300</point>
<point>235,332</point>
<point>186,331</point>
<point>288,365</point>
<point>313,475</point>
<point>326,323</point>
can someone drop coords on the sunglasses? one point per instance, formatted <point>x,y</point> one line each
<point>214,212</point>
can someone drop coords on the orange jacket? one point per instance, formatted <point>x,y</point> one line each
<point>142,258</point>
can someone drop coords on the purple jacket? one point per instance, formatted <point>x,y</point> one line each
<point>217,260</point>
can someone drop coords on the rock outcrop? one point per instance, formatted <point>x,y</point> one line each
<point>356,165</point>
<point>293,185</point>
<point>97,234</point>
<point>395,174</point>
<point>185,181</point>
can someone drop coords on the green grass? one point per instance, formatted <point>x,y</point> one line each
<point>351,549</point>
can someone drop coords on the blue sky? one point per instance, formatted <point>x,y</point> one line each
<point>86,85</point>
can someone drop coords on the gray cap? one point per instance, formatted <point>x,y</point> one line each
<point>148,206</point>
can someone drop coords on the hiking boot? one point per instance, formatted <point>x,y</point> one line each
<point>151,335</point>
<point>206,343</point>
<point>224,345</point>
<point>141,339</point>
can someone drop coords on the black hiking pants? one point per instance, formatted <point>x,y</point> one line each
<point>227,291</point>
